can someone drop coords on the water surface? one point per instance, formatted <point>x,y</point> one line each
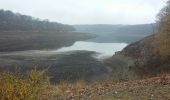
<point>105,49</point>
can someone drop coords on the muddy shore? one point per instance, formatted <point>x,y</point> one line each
<point>70,66</point>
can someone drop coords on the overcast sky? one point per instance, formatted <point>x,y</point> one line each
<point>88,11</point>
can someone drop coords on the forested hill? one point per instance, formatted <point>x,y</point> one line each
<point>145,28</point>
<point>21,32</point>
<point>118,33</point>
<point>15,21</point>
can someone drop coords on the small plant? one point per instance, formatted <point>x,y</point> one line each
<point>15,86</point>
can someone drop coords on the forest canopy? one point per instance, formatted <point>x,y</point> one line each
<point>16,21</point>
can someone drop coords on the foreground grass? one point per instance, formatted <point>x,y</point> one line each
<point>157,88</point>
<point>35,86</point>
<point>30,86</point>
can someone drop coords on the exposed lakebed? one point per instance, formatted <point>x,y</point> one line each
<point>77,62</point>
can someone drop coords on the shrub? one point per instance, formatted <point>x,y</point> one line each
<point>31,86</point>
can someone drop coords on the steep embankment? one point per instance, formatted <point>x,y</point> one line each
<point>151,55</point>
<point>138,60</point>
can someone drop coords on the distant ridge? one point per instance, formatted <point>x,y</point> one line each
<point>16,21</point>
<point>118,33</point>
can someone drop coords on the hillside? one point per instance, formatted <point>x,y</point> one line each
<point>10,21</point>
<point>153,88</point>
<point>151,55</point>
<point>138,60</point>
<point>143,58</point>
<point>35,86</point>
<point>41,40</point>
<point>21,32</point>
<point>117,33</point>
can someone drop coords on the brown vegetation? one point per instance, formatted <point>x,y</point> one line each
<point>162,39</point>
<point>14,86</point>
<point>35,86</point>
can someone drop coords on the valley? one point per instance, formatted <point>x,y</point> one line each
<point>126,57</point>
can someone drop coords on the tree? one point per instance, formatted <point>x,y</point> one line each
<point>162,38</point>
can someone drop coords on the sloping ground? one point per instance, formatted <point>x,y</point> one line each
<point>34,85</point>
<point>142,58</point>
<point>71,66</point>
<point>37,40</point>
<point>157,88</point>
<point>145,55</point>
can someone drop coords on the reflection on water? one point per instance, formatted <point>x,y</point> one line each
<point>105,49</point>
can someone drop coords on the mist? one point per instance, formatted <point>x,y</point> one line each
<point>88,11</point>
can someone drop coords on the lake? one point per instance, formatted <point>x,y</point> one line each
<point>104,49</point>
<point>79,61</point>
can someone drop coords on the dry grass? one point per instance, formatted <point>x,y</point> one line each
<point>157,88</point>
<point>35,86</point>
<point>23,87</point>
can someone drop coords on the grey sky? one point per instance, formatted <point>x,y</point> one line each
<point>88,11</point>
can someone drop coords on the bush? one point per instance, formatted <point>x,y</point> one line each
<point>14,86</point>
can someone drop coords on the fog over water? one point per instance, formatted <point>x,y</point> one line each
<point>105,49</point>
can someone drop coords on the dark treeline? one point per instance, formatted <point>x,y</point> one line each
<point>15,21</point>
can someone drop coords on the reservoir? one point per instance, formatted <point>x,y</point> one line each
<point>104,49</point>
